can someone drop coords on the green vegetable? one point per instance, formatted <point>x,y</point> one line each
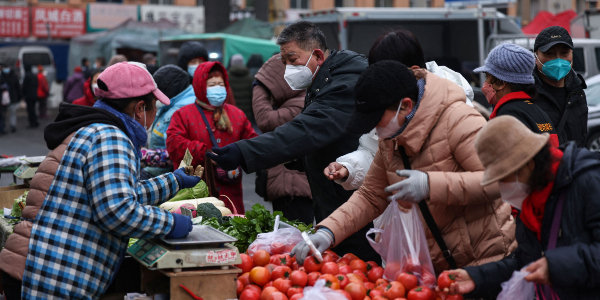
<point>208,210</point>
<point>16,209</point>
<point>199,191</point>
<point>258,220</point>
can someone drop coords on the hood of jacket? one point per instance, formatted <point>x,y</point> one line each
<point>573,81</point>
<point>239,71</point>
<point>73,117</point>
<point>189,51</point>
<point>575,162</point>
<point>87,91</point>
<point>439,94</point>
<point>271,75</point>
<point>201,76</point>
<point>171,80</point>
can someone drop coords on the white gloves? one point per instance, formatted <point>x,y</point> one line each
<point>413,189</point>
<point>322,241</point>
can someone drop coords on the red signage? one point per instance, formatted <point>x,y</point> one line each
<point>14,21</point>
<point>61,22</point>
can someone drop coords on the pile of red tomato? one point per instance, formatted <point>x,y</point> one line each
<point>279,277</point>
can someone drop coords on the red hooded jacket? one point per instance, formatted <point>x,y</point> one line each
<point>188,131</point>
<point>88,97</point>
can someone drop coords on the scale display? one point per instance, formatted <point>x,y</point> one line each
<point>146,252</point>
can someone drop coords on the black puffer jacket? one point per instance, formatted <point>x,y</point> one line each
<point>519,105</point>
<point>574,266</point>
<point>10,82</point>
<point>240,82</point>
<point>189,51</point>
<point>575,128</point>
<point>171,80</point>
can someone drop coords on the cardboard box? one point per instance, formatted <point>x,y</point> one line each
<point>8,194</point>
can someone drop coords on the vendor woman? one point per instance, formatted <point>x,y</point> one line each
<point>86,200</point>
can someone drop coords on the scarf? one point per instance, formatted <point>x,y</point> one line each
<point>219,116</point>
<point>534,205</point>
<point>411,115</point>
<point>134,130</point>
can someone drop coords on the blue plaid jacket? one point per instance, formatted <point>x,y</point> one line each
<point>95,203</point>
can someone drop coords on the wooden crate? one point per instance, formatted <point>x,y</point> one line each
<point>8,194</point>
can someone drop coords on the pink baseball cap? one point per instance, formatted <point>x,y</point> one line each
<point>128,80</point>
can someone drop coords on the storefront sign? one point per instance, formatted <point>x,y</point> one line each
<point>61,22</point>
<point>103,16</point>
<point>14,21</point>
<point>189,18</point>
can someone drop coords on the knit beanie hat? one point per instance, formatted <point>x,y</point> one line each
<point>510,63</point>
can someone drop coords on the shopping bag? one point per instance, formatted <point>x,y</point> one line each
<point>400,240</point>
<point>5,98</point>
<point>320,292</point>
<point>517,288</point>
<point>279,241</point>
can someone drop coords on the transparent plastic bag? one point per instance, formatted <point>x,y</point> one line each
<point>400,240</point>
<point>280,241</point>
<point>517,288</point>
<point>320,292</point>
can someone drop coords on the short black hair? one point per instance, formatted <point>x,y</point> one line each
<point>306,34</point>
<point>541,175</point>
<point>84,61</point>
<point>399,45</point>
<point>121,104</point>
<point>101,60</point>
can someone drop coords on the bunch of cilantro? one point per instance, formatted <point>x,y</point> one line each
<point>258,220</point>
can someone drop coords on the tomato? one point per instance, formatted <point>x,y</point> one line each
<point>343,280</point>
<point>284,260</point>
<point>379,298</point>
<point>371,265</point>
<point>244,279</point>
<point>381,281</point>
<point>296,296</point>
<point>420,293</point>
<point>261,258</point>
<point>355,278</point>
<point>331,281</point>
<point>277,248</point>
<point>394,290</point>
<point>374,274</point>
<point>328,258</point>
<point>356,290</point>
<point>283,285</point>
<point>302,269</point>
<point>294,291</point>
<point>367,298</point>
<point>295,266</point>
<point>311,264</point>
<point>343,261</point>
<point>332,254</point>
<point>260,276</point>
<point>412,266</point>
<point>454,297</point>
<point>281,272</point>
<point>350,256</point>
<point>330,268</point>
<point>253,287</point>
<point>271,267</point>
<point>358,264</point>
<point>346,294</point>
<point>299,278</point>
<point>277,296</point>
<point>341,264</point>
<point>267,292</point>
<point>445,280</point>
<point>428,278</point>
<point>270,283</point>
<point>374,293</point>
<point>249,295</point>
<point>246,264</point>
<point>345,269</point>
<point>240,287</point>
<point>369,285</point>
<point>408,280</point>
<point>361,274</point>
<point>313,277</point>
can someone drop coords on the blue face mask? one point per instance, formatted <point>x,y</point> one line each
<point>216,95</point>
<point>6,70</point>
<point>192,69</point>
<point>94,65</point>
<point>556,69</point>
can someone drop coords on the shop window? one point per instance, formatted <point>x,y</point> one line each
<point>384,3</point>
<point>578,60</point>
<point>300,4</point>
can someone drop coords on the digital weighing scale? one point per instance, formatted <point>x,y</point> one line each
<point>205,246</point>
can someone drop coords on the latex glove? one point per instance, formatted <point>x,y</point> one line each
<point>185,181</point>
<point>338,170</point>
<point>321,240</point>
<point>182,226</point>
<point>229,157</point>
<point>413,189</point>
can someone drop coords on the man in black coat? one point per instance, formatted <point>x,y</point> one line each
<point>317,136</point>
<point>191,54</point>
<point>9,82</point>
<point>30,87</point>
<point>560,89</point>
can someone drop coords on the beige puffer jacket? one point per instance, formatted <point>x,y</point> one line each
<point>440,140</point>
<point>14,254</point>
<point>276,92</point>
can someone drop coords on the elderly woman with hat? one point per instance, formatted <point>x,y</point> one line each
<point>509,87</point>
<point>558,229</point>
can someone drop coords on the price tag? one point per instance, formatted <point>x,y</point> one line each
<point>218,257</point>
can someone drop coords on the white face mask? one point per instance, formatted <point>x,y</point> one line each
<point>299,77</point>
<point>514,193</point>
<point>94,87</point>
<point>391,128</point>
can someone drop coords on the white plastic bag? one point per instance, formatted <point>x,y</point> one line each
<point>517,288</point>
<point>280,241</point>
<point>5,98</point>
<point>320,292</point>
<point>400,240</point>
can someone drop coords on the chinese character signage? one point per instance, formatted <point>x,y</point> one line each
<point>14,21</point>
<point>59,22</point>
<point>102,16</point>
<point>190,19</point>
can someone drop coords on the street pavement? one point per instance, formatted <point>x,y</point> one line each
<point>30,142</point>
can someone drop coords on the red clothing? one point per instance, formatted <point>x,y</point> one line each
<point>88,98</point>
<point>43,89</point>
<point>188,131</point>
